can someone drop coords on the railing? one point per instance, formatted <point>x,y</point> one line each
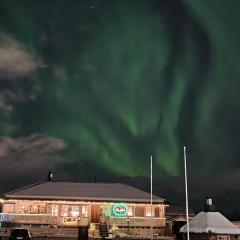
<point>45,232</point>
<point>42,219</point>
<point>28,218</point>
<point>54,232</point>
<point>75,221</point>
<point>137,222</point>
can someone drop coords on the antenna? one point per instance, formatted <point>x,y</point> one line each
<point>151,201</point>
<point>186,190</point>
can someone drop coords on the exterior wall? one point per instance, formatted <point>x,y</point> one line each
<point>75,213</point>
<point>232,237</point>
<point>210,237</point>
<point>137,222</point>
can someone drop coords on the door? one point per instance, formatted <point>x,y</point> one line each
<point>95,213</point>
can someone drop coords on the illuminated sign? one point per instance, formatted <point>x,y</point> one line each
<point>5,218</point>
<point>70,221</point>
<point>119,210</point>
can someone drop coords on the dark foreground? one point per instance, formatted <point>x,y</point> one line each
<point>90,238</point>
<point>74,238</point>
<point>43,238</point>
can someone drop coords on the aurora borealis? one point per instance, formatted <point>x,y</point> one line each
<point>93,88</point>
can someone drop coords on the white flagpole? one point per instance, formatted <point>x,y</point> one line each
<point>151,202</point>
<point>186,190</point>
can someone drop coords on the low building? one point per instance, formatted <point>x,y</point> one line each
<point>176,218</point>
<point>67,204</point>
<point>210,225</point>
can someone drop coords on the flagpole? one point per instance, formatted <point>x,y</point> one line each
<point>186,190</point>
<point>151,202</point>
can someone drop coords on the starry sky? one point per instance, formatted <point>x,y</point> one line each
<point>92,88</point>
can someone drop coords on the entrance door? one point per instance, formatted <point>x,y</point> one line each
<point>95,213</point>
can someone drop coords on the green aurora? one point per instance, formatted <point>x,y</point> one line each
<point>119,81</point>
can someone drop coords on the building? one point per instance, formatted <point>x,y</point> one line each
<point>210,225</point>
<point>176,218</point>
<point>67,204</point>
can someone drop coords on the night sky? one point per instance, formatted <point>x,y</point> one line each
<point>90,89</point>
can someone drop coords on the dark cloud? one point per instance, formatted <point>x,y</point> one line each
<point>17,67</point>
<point>29,158</point>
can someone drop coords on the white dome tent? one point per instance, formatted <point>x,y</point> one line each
<point>211,224</point>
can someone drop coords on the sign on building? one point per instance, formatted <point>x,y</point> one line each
<point>119,210</point>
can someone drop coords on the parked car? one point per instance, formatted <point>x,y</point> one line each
<point>20,233</point>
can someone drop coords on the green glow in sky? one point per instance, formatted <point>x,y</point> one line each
<point>122,80</point>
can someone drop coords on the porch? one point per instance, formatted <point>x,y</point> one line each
<point>43,219</point>
<point>137,221</point>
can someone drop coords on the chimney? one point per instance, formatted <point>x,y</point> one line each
<point>209,207</point>
<point>50,177</point>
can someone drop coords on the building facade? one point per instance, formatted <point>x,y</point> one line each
<point>65,204</point>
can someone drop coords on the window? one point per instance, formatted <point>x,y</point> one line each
<point>8,207</point>
<point>148,211</point>
<point>83,211</point>
<point>52,209</point>
<point>31,207</point>
<point>139,211</point>
<point>37,208</point>
<point>161,211</point>
<point>70,211</point>
<point>156,212</point>
<point>130,211</point>
<point>74,211</point>
<point>223,237</point>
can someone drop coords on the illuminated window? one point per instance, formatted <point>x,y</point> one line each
<point>156,212</point>
<point>83,211</point>
<point>130,211</point>
<point>223,237</point>
<point>148,211</point>
<point>54,210</point>
<point>161,211</point>
<point>8,208</point>
<point>70,211</point>
<point>37,208</point>
<point>139,211</point>
<point>31,207</point>
<point>74,211</point>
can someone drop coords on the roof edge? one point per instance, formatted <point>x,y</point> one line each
<point>23,188</point>
<point>74,198</point>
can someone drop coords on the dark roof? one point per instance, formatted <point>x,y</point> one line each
<point>83,191</point>
<point>178,210</point>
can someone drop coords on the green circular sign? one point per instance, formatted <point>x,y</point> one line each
<point>119,210</point>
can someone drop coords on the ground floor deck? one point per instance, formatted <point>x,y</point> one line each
<point>72,233</point>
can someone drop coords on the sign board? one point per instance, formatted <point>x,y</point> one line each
<point>70,221</point>
<point>119,210</point>
<point>6,218</point>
